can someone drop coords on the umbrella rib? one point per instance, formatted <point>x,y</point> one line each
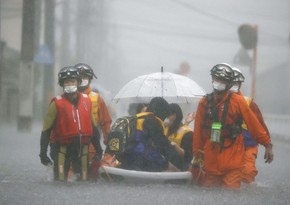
<point>175,88</point>
<point>141,85</point>
<point>146,87</point>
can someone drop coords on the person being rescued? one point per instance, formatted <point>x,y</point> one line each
<point>179,133</point>
<point>151,150</point>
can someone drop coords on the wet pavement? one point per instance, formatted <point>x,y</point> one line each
<point>23,180</point>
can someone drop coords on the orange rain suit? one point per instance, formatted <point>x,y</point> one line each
<point>250,171</point>
<point>223,162</point>
<point>102,117</point>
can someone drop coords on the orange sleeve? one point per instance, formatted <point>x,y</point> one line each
<point>198,141</point>
<point>105,119</point>
<point>255,128</point>
<point>254,107</point>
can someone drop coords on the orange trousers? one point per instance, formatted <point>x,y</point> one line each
<point>249,171</point>
<point>231,179</point>
<point>92,152</point>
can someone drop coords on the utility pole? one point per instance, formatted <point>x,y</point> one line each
<point>65,34</point>
<point>48,80</point>
<point>82,30</point>
<point>26,67</point>
<point>254,67</point>
<point>1,53</point>
<point>2,46</point>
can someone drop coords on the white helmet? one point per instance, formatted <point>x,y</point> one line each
<point>238,75</point>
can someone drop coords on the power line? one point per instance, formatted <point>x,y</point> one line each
<point>139,28</point>
<point>204,13</point>
<point>218,18</point>
<point>161,47</point>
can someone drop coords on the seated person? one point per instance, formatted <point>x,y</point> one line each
<point>141,107</point>
<point>180,134</point>
<point>152,151</point>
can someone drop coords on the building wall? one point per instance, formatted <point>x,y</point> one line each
<point>11,23</point>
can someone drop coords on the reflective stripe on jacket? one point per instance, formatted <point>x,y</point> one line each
<point>248,100</point>
<point>95,105</point>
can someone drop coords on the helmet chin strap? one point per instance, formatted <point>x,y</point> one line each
<point>219,92</point>
<point>72,96</point>
<point>82,88</point>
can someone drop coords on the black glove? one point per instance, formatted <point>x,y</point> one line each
<point>44,140</point>
<point>45,160</point>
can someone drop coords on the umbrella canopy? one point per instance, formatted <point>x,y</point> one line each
<point>172,87</point>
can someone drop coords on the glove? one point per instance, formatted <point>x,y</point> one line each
<point>269,156</point>
<point>44,140</point>
<point>197,161</point>
<point>197,171</point>
<point>45,160</point>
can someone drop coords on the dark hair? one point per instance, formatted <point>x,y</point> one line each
<point>175,109</point>
<point>159,107</point>
<point>132,109</point>
<point>140,106</point>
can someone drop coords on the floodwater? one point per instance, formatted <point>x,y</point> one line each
<point>23,180</point>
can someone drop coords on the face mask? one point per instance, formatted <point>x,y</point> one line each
<point>218,86</point>
<point>235,88</point>
<point>85,83</point>
<point>70,89</point>
<point>166,122</point>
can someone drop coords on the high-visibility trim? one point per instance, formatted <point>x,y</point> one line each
<point>84,161</point>
<point>94,97</point>
<point>61,162</point>
<point>248,100</point>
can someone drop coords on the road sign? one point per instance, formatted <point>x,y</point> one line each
<point>43,55</point>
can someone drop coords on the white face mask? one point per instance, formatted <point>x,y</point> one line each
<point>166,122</point>
<point>218,86</point>
<point>234,88</point>
<point>85,83</point>
<point>70,89</point>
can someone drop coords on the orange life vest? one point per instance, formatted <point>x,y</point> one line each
<point>73,120</point>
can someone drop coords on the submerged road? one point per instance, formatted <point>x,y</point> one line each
<point>23,180</point>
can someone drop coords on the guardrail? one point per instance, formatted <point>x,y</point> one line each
<point>278,125</point>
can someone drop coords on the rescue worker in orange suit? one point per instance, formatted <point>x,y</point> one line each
<point>179,134</point>
<point>251,147</point>
<point>217,138</point>
<point>101,115</point>
<point>70,119</point>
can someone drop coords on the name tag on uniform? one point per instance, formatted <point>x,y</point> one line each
<point>215,135</point>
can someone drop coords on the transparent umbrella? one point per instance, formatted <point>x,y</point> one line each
<point>172,87</point>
